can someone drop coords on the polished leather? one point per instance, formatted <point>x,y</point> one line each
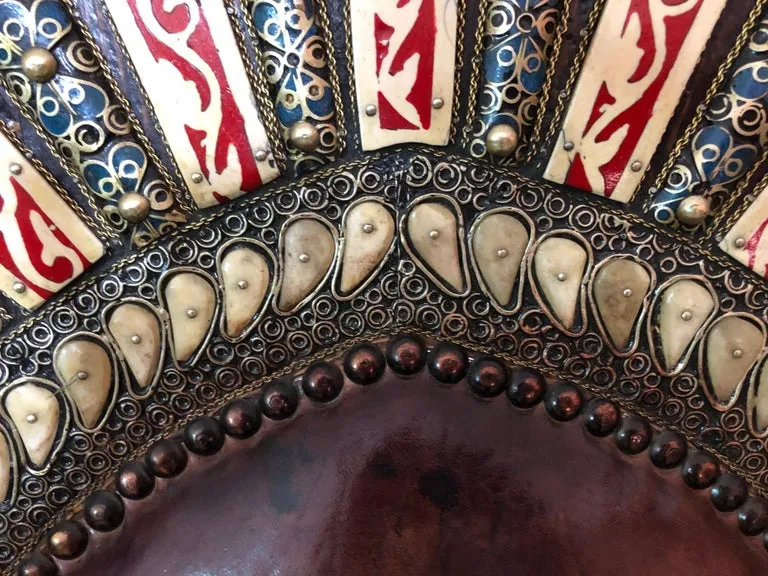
<point>408,477</point>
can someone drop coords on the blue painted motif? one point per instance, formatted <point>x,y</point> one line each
<point>75,109</point>
<point>730,140</point>
<point>294,55</point>
<point>518,36</point>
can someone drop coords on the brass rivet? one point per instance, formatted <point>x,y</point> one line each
<point>303,258</point>
<point>196,177</point>
<point>192,313</point>
<point>738,353</point>
<point>261,155</point>
<point>38,64</point>
<point>242,284</point>
<point>686,315</point>
<point>31,418</point>
<point>739,243</point>
<point>568,146</point>
<point>134,207</point>
<point>501,140</point>
<point>693,210</point>
<point>305,136</point>
<point>627,292</point>
<point>434,234</point>
<point>371,110</point>
<point>636,166</point>
<point>367,228</point>
<point>437,103</point>
<point>82,375</point>
<point>136,339</point>
<point>562,277</point>
<point>501,253</point>
<point>15,168</point>
<point>19,287</point>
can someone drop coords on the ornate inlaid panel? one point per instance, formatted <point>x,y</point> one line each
<point>310,269</point>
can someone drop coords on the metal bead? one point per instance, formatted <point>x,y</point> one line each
<point>627,292</point>
<point>693,210</point>
<point>501,140</point>
<point>192,313</point>
<point>82,375</point>
<point>196,177</point>
<point>738,353</point>
<point>739,242</point>
<point>243,284</point>
<point>501,253</point>
<point>686,315</point>
<point>303,258</point>
<point>261,155</point>
<point>562,277</point>
<point>305,136</point>
<point>636,166</point>
<point>15,168</point>
<point>437,103</point>
<point>368,228</point>
<point>568,146</point>
<point>133,207</point>
<point>31,418</point>
<point>19,287</point>
<point>371,110</point>
<point>38,64</point>
<point>136,339</point>
<point>434,234</point>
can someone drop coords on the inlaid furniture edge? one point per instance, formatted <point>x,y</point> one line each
<point>179,181</point>
<point>486,182</point>
<point>544,94</point>
<point>257,78</point>
<point>601,417</point>
<point>321,10</point>
<point>562,29</point>
<point>97,220</point>
<point>349,57</point>
<point>461,22</point>
<point>476,75</point>
<point>98,226</point>
<point>182,196</point>
<point>576,65</point>
<point>685,140</point>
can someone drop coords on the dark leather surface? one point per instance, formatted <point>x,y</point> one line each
<point>410,478</point>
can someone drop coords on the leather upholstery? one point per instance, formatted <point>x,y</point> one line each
<point>407,477</point>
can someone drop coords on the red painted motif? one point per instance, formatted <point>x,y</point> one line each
<point>232,130</point>
<point>419,42</point>
<point>29,238</point>
<point>752,246</point>
<point>634,117</point>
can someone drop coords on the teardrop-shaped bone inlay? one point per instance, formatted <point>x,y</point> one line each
<point>498,244</point>
<point>685,307</point>
<point>620,288</point>
<point>369,230</point>
<point>246,279</point>
<point>5,468</point>
<point>759,402</point>
<point>308,251</point>
<point>191,304</point>
<point>733,345</point>
<point>35,413</point>
<point>85,371</point>
<point>434,234</point>
<point>138,334</point>
<point>559,265</point>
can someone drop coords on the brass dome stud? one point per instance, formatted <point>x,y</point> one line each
<point>133,207</point>
<point>38,64</point>
<point>501,140</point>
<point>693,210</point>
<point>304,136</point>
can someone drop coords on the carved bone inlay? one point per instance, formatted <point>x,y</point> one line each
<point>191,304</point>
<point>246,279</point>
<point>85,371</point>
<point>732,346</point>
<point>369,230</point>
<point>434,235</point>
<point>638,63</point>
<point>747,241</point>
<point>498,244</point>
<point>35,413</point>
<point>620,288</point>
<point>758,402</point>
<point>5,467</point>
<point>559,265</point>
<point>308,252</point>
<point>685,306</point>
<point>404,55</point>
<point>188,60</point>
<point>138,335</point>
<point>43,244</point>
